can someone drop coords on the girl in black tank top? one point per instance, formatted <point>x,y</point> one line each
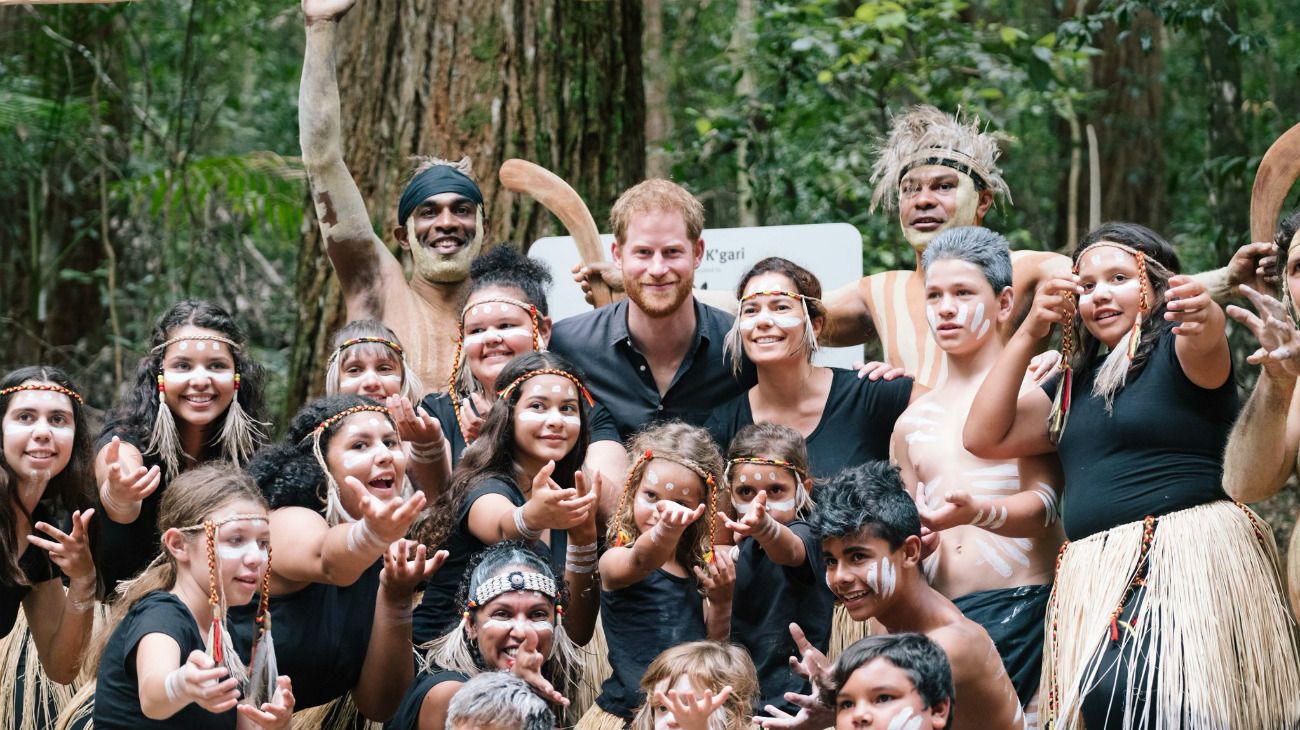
<point>1140,432</point>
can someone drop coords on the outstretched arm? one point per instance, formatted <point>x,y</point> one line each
<point>1253,264</point>
<point>360,259</point>
<point>848,321</point>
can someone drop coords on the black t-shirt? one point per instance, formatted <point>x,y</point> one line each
<point>36,565</point>
<point>408,713</point>
<point>125,550</point>
<point>1159,451</point>
<point>641,621</point>
<point>770,597</point>
<point>857,421</point>
<point>619,377</point>
<point>600,424</point>
<point>437,611</point>
<point>321,635</point>
<point>117,693</point>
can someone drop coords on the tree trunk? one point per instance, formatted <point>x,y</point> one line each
<point>557,82</point>
<point>1128,122</point>
<point>1228,191</point>
<point>658,118</point>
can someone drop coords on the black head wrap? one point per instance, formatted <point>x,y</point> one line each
<point>433,181</point>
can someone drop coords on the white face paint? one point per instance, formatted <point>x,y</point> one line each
<point>651,476</point>
<point>520,624</point>
<point>784,321</point>
<point>882,577</point>
<point>932,317</point>
<point>496,335</point>
<point>784,505</point>
<point>905,720</point>
<point>978,325</point>
<point>544,416</point>
<point>244,552</point>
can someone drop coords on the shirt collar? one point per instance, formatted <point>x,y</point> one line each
<point>618,331</point>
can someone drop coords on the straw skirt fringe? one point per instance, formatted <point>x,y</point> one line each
<point>37,689</point>
<point>595,670</point>
<point>1214,620</point>
<point>597,719</point>
<point>341,714</point>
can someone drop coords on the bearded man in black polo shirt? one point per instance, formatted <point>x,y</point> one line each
<point>657,354</point>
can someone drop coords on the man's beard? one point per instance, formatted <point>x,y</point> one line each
<point>968,202</point>
<point>438,268</point>
<point>663,304</point>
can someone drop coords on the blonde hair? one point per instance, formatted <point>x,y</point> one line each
<point>655,195</point>
<point>189,500</point>
<point>710,665</point>
<point>692,447</point>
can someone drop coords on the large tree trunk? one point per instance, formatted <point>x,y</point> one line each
<point>557,82</point>
<point>1128,122</point>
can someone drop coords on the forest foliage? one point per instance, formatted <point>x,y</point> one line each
<point>150,148</point>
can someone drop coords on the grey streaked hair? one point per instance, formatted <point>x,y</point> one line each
<point>498,699</point>
<point>976,245</point>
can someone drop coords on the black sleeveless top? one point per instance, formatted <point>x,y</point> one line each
<point>37,568</point>
<point>1160,450</point>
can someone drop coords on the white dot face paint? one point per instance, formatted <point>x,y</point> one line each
<point>758,476</point>
<point>743,478</point>
<point>651,476</point>
<point>537,388</point>
<point>771,475</point>
<point>669,486</point>
<point>502,307</point>
<point>182,346</point>
<point>555,389</point>
<point>200,345</point>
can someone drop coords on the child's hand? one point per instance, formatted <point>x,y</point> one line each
<point>674,518</point>
<point>959,508</point>
<point>471,416</point>
<point>550,507</point>
<point>69,551</point>
<point>527,665</point>
<point>719,580</point>
<point>419,427</point>
<point>126,484</point>
<point>758,524</point>
<point>813,666</point>
<point>276,714</point>
<point>1189,305</point>
<point>198,680</point>
<point>387,521</point>
<point>405,565</point>
<point>691,713</point>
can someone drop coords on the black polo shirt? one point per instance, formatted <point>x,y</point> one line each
<point>619,377</point>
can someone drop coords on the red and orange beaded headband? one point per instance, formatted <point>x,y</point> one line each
<point>320,427</point>
<point>51,387</point>
<point>364,340</point>
<point>505,392</point>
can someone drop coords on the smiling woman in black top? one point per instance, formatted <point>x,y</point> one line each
<point>846,420</point>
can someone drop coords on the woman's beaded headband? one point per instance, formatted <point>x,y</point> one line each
<point>320,427</point>
<point>192,338</point>
<point>516,580</point>
<point>506,391</point>
<point>51,387</point>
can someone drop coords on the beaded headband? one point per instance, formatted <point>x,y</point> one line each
<point>51,387</point>
<point>223,521</point>
<point>761,461</point>
<point>622,537</point>
<point>777,293</point>
<point>363,340</point>
<point>505,392</point>
<point>461,380</point>
<point>320,427</point>
<point>191,338</point>
<point>954,159</point>
<point>516,580</point>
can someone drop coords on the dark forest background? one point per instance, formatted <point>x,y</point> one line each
<point>150,148</point>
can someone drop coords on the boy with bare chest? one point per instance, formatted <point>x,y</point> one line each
<point>998,519</point>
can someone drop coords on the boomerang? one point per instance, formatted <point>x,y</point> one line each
<point>1278,171</point>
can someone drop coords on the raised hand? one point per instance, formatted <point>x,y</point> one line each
<point>718,579</point>
<point>1042,365</point>
<point>689,711</point>
<point>1279,340</point>
<point>198,680</point>
<point>958,508</point>
<point>757,524</point>
<point>1254,265</point>
<point>126,485</point>
<point>276,714</point>
<point>472,410</point>
<point>388,520</point>
<point>606,271</point>
<point>69,551</point>
<point>527,665</point>
<point>417,427</point>
<point>550,507</point>
<point>875,370</point>
<point>1188,304</point>
<point>584,533</point>
<point>406,564</point>
<point>674,518</point>
<point>811,664</point>
<point>1053,305</point>
<point>326,9</point>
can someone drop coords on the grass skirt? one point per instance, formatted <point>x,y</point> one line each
<point>1213,622</point>
<point>597,719</point>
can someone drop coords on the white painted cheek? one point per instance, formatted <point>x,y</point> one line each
<point>542,627</point>
<point>905,720</point>
<point>747,324</point>
<point>532,416</point>
<point>931,317</point>
<point>571,420</point>
<point>873,577</point>
<point>784,505</point>
<point>242,553</point>
<point>744,508</point>
<point>978,318</point>
<point>353,459</point>
<point>478,338</point>
<point>788,321</point>
<point>888,577</point>
<point>222,377</point>
<point>501,624</point>
<point>174,379</point>
<point>390,377</point>
<point>642,500</point>
<point>18,431</point>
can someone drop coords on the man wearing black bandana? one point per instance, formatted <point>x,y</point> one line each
<point>440,219</point>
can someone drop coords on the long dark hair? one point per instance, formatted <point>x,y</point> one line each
<point>68,490</point>
<point>134,414</point>
<point>1154,325</point>
<point>493,454</point>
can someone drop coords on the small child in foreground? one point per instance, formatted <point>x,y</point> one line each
<point>894,681</point>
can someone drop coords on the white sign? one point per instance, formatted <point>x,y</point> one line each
<point>831,251</point>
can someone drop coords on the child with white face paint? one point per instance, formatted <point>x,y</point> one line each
<point>891,682</point>
<point>513,619</point>
<point>44,474</point>
<point>999,518</point>
<point>871,542</point>
<point>701,685</point>
<point>155,667</point>
<point>522,479</point>
<point>779,574</point>
<point>660,560</point>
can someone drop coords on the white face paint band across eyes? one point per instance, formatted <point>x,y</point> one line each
<point>479,338</point>
<point>784,321</point>
<point>543,417</point>
<point>784,505</point>
<point>242,553</point>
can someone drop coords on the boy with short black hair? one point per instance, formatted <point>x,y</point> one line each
<point>901,681</point>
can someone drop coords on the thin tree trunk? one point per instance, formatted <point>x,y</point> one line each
<point>558,82</point>
<point>1228,192</point>
<point>658,120</point>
